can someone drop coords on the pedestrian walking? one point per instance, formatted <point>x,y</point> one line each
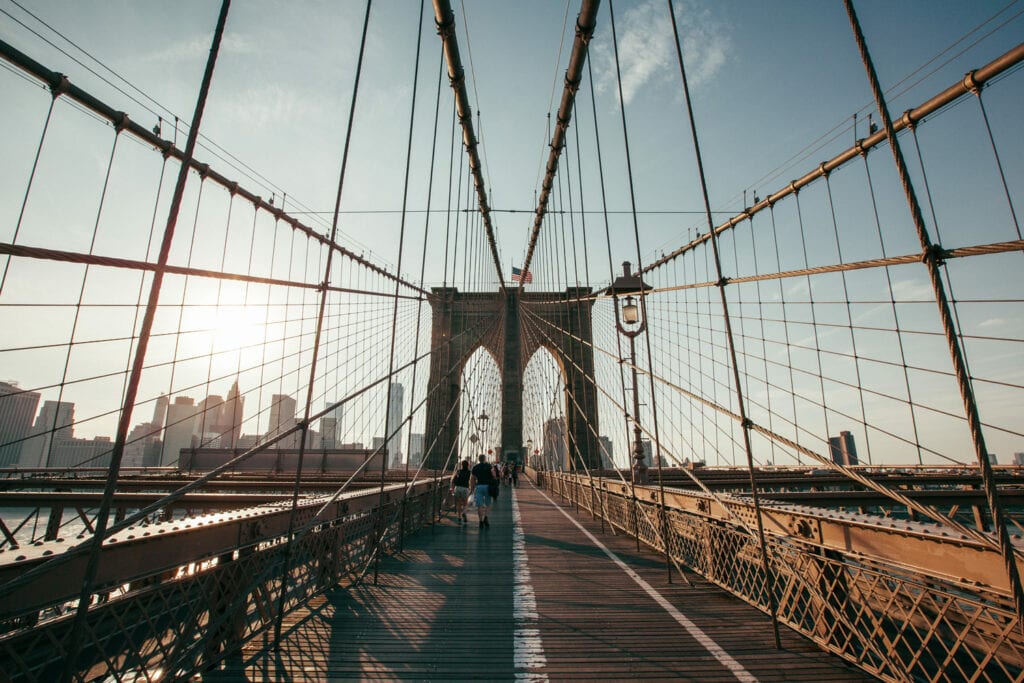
<point>460,489</point>
<point>482,476</point>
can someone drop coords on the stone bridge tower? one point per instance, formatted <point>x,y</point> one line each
<point>463,322</point>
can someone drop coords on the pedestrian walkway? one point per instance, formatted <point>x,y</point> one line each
<point>542,595</point>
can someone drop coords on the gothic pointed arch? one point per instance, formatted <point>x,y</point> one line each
<point>462,322</point>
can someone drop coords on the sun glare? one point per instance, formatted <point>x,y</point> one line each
<point>236,327</point>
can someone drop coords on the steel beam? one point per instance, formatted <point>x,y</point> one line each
<point>585,24</point>
<point>147,550</point>
<point>445,20</point>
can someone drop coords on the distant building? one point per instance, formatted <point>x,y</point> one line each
<point>649,458</point>
<point>992,459</point>
<point>555,449</point>
<point>282,419</point>
<point>247,441</point>
<point>54,424</point>
<point>1018,458</point>
<point>209,414</point>
<point>17,408</point>
<point>605,444</point>
<point>417,443</point>
<point>179,429</point>
<point>842,449</point>
<point>227,423</point>
<point>281,460</point>
<point>160,411</point>
<point>143,446</point>
<point>394,424</point>
<point>330,427</point>
<point>71,453</point>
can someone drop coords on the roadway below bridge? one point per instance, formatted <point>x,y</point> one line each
<point>544,594</point>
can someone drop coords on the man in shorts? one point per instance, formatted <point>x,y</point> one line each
<point>482,476</point>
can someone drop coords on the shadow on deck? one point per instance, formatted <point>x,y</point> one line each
<point>531,598</point>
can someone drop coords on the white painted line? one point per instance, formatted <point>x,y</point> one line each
<point>529,650</point>
<point>704,639</point>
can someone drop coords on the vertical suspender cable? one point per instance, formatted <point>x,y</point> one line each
<point>423,266</point>
<point>388,437</point>
<point>55,91</point>
<point>611,268</point>
<point>77,316</point>
<point>77,630</point>
<point>722,282</point>
<point>319,325</point>
<point>639,265</point>
<point>931,255</point>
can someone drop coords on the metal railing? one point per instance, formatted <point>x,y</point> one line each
<point>174,598</point>
<point>902,601</point>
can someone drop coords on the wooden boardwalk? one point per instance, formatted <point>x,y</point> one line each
<point>532,598</point>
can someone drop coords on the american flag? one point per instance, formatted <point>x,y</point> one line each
<point>520,276</point>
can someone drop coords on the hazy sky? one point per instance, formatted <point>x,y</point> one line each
<point>768,79</point>
<point>775,87</point>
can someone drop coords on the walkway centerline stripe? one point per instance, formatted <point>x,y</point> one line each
<point>723,657</point>
<point>529,649</point>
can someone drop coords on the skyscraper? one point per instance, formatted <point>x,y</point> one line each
<point>53,425</point>
<point>142,447</point>
<point>417,443</point>
<point>160,411</point>
<point>330,427</point>
<point>17,408</point>
<point>179,429</point>
<point>209,429</point>
<point>221,419</point>
<point>282,418</point>
<point>555,448</point>
<point>394,425</point>
<point>842,448</point>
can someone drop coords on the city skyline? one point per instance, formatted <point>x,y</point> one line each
<point>46,439</point>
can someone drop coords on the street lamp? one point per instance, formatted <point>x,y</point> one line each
<point>483,417</point>
<point>628,284</point>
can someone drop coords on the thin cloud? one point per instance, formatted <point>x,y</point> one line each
<point>198,47</point>
<point>912,290</point>
<point>647,53</point>
<point>270,105</point>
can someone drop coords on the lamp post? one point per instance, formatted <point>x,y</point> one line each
<point>529,452</point>
<point>632,314</point>
<point>484,417</point>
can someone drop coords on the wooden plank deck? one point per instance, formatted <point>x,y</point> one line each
<point>533,598</point>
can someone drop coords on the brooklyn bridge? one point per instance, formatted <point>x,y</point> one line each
<point>730,297</point>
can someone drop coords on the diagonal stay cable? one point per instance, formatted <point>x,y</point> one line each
<point>445,20</point>
<point>586,22</point>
